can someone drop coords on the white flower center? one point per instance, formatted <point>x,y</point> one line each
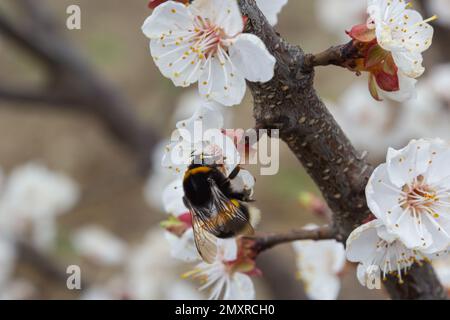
<point>393,257</point>
<point>423,201</point>
<point>419,195</point>
<point>208,39</point>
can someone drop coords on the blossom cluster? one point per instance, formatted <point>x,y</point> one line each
<point>203,41</point>
<point>228,276</point>
<point>391,44</point>
<point>374,126</point>
<point>31,198</point>
<point>319,265</point>
<point>409,197</point>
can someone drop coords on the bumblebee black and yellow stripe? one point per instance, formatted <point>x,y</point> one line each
<point>196,170</point>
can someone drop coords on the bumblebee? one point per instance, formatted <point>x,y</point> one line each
<point>218,210</point>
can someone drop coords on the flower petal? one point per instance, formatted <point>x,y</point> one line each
<point>173,198</point>
<point>167,18</point>
<point>409,163</point>
<point>240,288</point>
<point>383,196</point>
<point>225,13</point>
<point>408,62</point>
<point>407,89</point>
<point>222,82</point>
<point>271,9</point>
<point>207,116</point>
<point>183,248</point>
<point>361,244</point>
<point>251,57</point>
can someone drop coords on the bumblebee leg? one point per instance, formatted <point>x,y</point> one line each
<point>234,173</point>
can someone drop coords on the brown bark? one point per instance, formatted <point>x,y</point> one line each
<point>289,103</point>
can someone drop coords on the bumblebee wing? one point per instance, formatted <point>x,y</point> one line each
<point>205,242</point>
<point>230,212</point>
<point>204,239</point>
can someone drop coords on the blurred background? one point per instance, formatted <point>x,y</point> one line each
<point>81,110</point>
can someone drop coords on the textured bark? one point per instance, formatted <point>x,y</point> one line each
<point>263,243</point>
<point>289,103</point>
<point>420,283</point>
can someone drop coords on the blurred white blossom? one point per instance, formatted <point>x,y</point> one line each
<point>337,16</point>
<point>442,9</point>
<point>271,9</point>
<point>7,261</point>
<point>319,264</point>
<point>442,268</point>
<point>439,82</point>
<point>183,247</point>
<point>426,116</point>
<point>226,277</point>
<point>31,199</point>
<point>18,289</point>
<point>99,245</point>
<point>370,125</point>
<point>152,273</point>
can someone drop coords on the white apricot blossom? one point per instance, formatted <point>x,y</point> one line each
<point>410,194</point>
<point>271,9</point>
<point>224,276</point>
<point>189,104</point>
<point>204,42</point>
<point>183,247</point>
<point>378,252</point>
<point>201,136</point>
<point>401,31</point>
<point>31,199</point>
<point>319,264</point>
<point>151,273</point>
<point>99,245</point>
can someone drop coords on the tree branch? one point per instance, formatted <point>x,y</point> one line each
<point>74,82</point>
<point>53,269</point>
<point>289,103</point>
<point>343,56</point>
<point>262,243</point>
<point>48,97</point>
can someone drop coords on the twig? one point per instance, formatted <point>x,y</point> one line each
<point>50,267</point>
<point>290,103</point>
<point>48,97</point>
<point>262,243</point>
<point>342,56</point>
